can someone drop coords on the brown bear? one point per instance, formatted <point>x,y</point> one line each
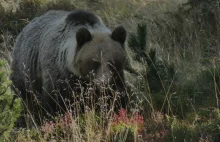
<point>59,48</point>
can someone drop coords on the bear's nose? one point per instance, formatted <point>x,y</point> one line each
<point>102,81</point>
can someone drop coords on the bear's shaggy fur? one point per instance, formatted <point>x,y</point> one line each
<point>60,47</point>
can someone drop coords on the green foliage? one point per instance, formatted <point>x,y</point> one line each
<point>203,126</point>
<point>185,76</point>
<point>188,92</point>
<point>182,133</point>
<point>158,72</point>
<point>137,42</point>
<point>8,116</point>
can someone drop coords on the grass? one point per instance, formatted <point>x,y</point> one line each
<point>178,94</point>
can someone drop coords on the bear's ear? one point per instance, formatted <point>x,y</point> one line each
<point>119,34</point>
<point>82,36</point>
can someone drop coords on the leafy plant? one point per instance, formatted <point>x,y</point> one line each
<point>8,114</point>
<point>137,42</point>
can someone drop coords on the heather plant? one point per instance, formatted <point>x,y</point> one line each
<point>62,127</point>
<point>87,127</point>
<point>156,128</point>
<point>122,121</point>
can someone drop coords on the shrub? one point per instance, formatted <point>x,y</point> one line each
<point>201,126</point>
<point>8,113</point>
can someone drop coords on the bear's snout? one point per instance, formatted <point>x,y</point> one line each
<point>103,81</point>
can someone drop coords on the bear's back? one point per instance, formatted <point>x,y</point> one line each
<point>26,49</point>
<point>41,43</point>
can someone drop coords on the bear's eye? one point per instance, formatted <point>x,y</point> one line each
<point>95,65</point>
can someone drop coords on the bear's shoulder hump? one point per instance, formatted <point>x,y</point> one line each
<point>81,17</point>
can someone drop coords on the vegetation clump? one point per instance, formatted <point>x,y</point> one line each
<point>8,113</point>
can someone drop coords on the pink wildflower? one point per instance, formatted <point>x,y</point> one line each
<point>122,121</point>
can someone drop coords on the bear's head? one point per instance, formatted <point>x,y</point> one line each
<point>101,57</point>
